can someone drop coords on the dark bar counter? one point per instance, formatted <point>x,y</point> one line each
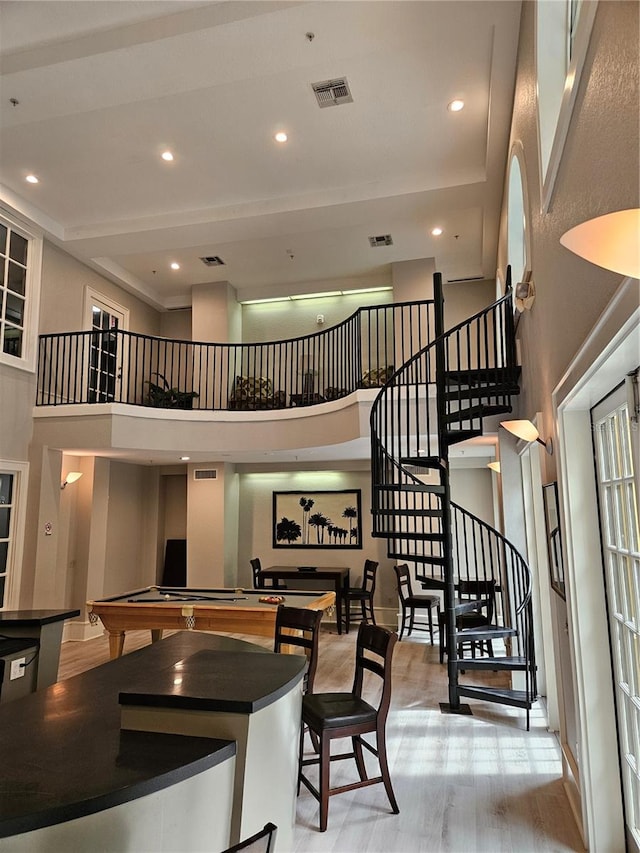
<point>63,753</point>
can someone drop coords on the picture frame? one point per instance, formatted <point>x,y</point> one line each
<point>554,537</point>
<point>330,520</point>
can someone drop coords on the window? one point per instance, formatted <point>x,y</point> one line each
<point>20,258</point>
<point>516,222</point>
<point>563,30</point>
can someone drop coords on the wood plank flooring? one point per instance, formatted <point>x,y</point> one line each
<point>479,783</point>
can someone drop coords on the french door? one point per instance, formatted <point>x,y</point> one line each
<point>105,319</point>
<point>616,448</point>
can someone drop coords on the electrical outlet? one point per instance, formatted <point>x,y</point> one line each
<point>17,668</point>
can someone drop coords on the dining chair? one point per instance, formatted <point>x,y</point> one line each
<point>262,842</point>
<point>297,626</point>
<point>362,595</point>
<point>484,593</point>
<point>340,715</point>
<point>256,568</point>
<point>410,603</point>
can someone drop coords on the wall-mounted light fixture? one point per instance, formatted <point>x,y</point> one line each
<point>71,477</point>
<point>611,241</point>
<point>495,466</point>
<point>525,293</point>
<point>526,431</point>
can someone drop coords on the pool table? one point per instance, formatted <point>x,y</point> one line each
<point>178,608</point>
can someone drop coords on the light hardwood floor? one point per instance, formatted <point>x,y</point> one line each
<point>479,783</point>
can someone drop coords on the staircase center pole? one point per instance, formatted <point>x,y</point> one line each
<point>443,454</point>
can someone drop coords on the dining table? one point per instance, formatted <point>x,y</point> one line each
<point>338,575</point>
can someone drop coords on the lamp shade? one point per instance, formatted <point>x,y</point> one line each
<point>71,477</point>
<point>521,429</point>
<point>611,241</point>
<point>495,466</point>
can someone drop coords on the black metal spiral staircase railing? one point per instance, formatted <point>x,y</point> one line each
<point>440,396</point>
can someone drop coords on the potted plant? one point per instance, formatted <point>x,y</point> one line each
<point>163,396</point>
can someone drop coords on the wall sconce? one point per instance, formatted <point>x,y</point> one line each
<point>525,293</point>
<point>495,466</point>
<point>71,477</point>
<point>611,241</point>
<point>526,431</point>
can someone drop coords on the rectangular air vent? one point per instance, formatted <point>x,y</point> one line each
<point>212,261</point>
<point>331,93</point>
<point>205,474</point>
<point>382,240</point>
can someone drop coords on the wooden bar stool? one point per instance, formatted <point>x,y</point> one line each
<point>410,603</point>
<point>338,715</point>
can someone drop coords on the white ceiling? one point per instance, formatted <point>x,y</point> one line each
<point>105,87</point>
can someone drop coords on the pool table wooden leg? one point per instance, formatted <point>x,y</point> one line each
<point>116,644</point>
<point>156,634</point>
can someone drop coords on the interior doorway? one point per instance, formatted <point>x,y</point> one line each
<point>105,319</point>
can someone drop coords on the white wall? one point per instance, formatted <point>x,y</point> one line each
<point>274,321</point>
<point>130,552</point>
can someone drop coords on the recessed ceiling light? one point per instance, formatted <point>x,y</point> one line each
<point>167,155</point>
<point>281,136</point>
<point>175,266</point>
<point>455,106</point>
<point>32,179</point>
<point>436,231</point>
<point>185,458</point>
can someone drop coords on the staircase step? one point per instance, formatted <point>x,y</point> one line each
<point>407,513</point>
<point>503,695</point>
<point>429,582</point>
<point>482,391</point>
<point>473,412</point>
<point>429,559</point>
<point>507,375</point>
<point>485,632</point>
<point>409,487</point>
<point>512,664</point>
<point>453,436</point>
<point>422,461</point>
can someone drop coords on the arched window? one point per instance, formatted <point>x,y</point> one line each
<point>517,223</point>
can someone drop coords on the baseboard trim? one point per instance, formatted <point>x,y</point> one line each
<point>81,631</point>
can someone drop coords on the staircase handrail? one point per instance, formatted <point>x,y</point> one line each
<point>493,531</point>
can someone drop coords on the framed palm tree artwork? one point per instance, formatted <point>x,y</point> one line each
<point>317,519</point>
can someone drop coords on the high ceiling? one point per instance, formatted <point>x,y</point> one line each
<point>103,88</point>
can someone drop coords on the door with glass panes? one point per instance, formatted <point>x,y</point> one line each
<point>616,448</point>
<point>106,321</point>
<point>7,493</point>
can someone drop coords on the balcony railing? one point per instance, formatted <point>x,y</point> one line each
<point>115,366</point>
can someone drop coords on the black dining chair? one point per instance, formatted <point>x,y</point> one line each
<point>339,715</point>
<point>362,595</point>
<point>262,842</point>
<point>481,616</point>
<point>256,568</point>
<point>410,603</point>
<point>258,581</point>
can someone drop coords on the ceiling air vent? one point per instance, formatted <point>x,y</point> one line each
<point>331,93</point>
<point>205,474</point>
<point>212,261</point>
<point>382,240</point>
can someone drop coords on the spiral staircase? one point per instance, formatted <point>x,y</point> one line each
<point>446,393</point>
